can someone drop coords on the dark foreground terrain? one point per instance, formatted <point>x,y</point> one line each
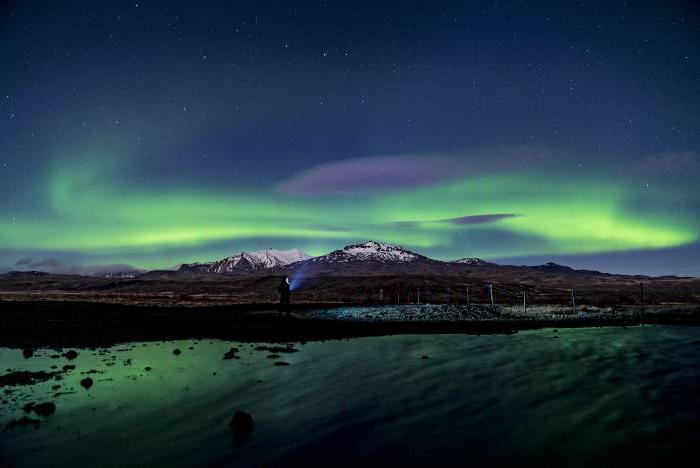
<point>26,324</point>
<point>375,283</point>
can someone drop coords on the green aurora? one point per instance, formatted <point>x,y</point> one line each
<point>86,211</point>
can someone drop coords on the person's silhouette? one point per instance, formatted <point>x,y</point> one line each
<point>285,295</point>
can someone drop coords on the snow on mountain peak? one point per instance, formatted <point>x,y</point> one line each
<point>249,261</point>
<point>370,251</point>
<point>472,261</point>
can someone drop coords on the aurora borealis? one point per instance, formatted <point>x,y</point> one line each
<point>151,134</point>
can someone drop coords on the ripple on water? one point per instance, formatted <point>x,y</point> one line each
<point>599,394</point>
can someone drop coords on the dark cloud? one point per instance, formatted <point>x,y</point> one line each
<point>461,220</point>
<point>481,219</point>
<point>49,264</point>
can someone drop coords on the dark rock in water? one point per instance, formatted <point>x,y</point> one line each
<point>241,424</point>
<point>70,354</point>
<point>28,407</point>
<point>425,357</point>
<point>177,352</point>
<point>68,367</point>
<point>281,363</point>
<point>23,421</point>
<point>231,354</point>
<point>44,409</point>
<point>55,387</point>
<point>27,353</point>
<point>55,356</point>
<point>86,383</point>
<point>555,331</point>
<point>25,378</point>
<point>273,356</point>
<point>147,369</point>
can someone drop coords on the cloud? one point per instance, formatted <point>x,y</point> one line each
<point>369,175</point>
<point>51,265</point>
<point>481,219</point>
<point>459,221</point>
<point>385,173</point>
<point>666,164</point>
<point>329,227</point>
<point>46,265</point>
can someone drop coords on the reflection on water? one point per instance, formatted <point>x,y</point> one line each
<point>574,397</point>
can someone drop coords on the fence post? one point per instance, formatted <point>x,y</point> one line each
<point>381,294</point>
<point>641,298</point>
<point>525,301</point>
<point>468,296</point>
<point>573,301</point>
<point>417,296</point>
<point>491,292</point>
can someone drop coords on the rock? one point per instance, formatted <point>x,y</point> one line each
<point>68,367</point>
<point>23,421</point>
<point>177,352</point>
<point>86,383</point>
<point>425,357</point>
<point>273,356</point>
<point>241,424</point>
<point>25,378</point>
<point>147,369</point>
<point>281,363</point>
<point>70,354</point>
<point>27,353</point>
<point>44,409</point>
<point>231,354</point>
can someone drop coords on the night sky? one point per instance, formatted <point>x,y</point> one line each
<point>150,133</point>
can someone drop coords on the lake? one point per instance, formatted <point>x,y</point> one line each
<point>572,397</point>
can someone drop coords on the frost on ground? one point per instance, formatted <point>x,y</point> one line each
<point>455,312</point>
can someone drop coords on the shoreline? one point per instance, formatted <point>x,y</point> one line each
<point>30,324</point>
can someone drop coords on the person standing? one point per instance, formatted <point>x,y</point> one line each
<point>285,295</point>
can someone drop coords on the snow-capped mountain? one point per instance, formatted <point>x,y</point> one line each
<point>370,251</point>
<point>473,261</point>
<point>249,261</point>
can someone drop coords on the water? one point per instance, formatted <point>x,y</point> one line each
<point>575,397</point>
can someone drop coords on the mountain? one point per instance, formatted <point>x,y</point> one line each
<point>551,267</point>
<point>370,252</point>
<point>249,261</point>
<point>473,261</point>
<point>119,274</point>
